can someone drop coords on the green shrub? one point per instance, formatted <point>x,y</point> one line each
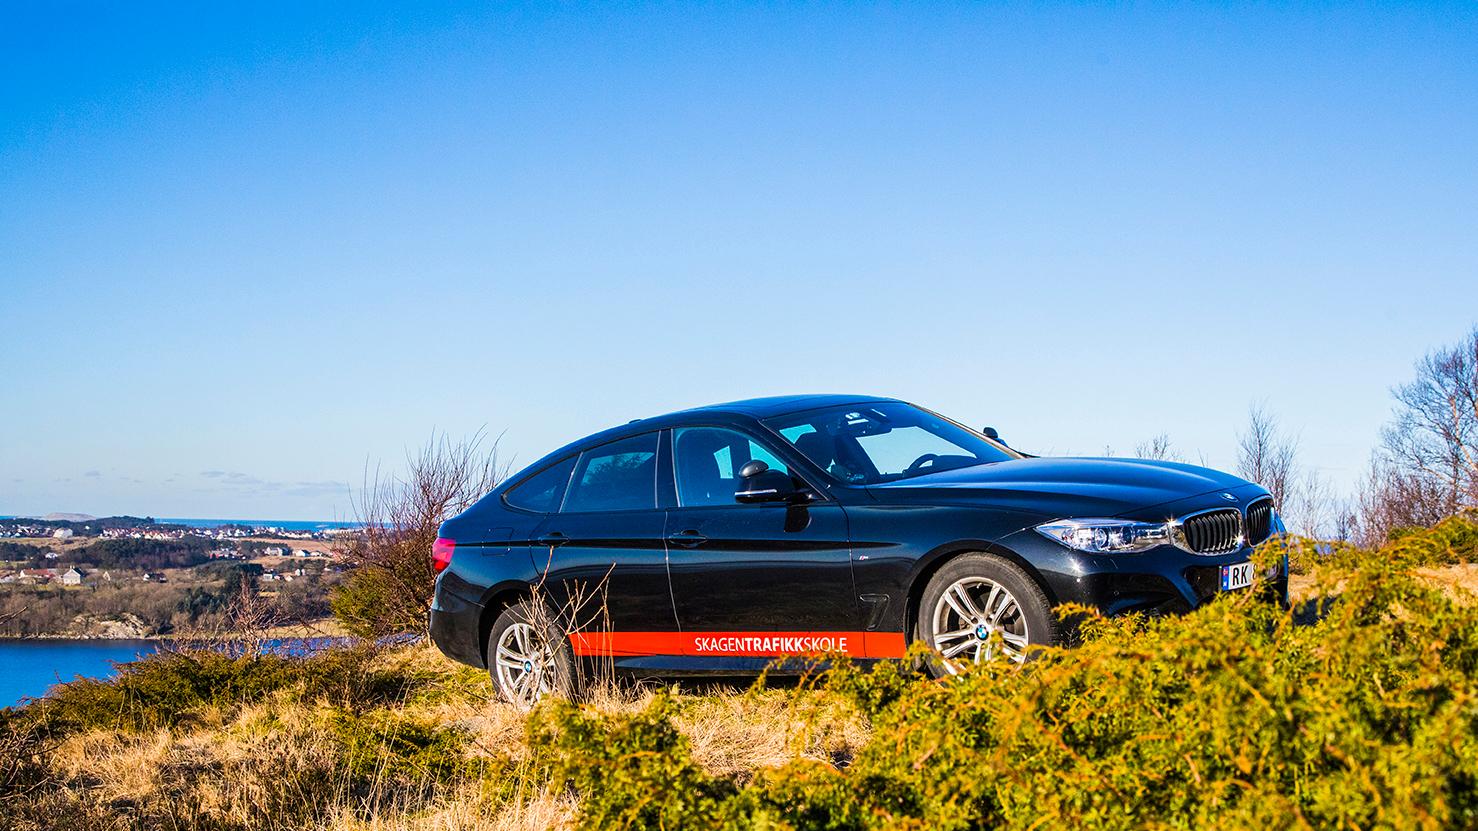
<point>1451,541</point>
<point>23,752</point>
<point>1232,716</point>
<point>633,771</point>
<point>386,746</point>
<point>169,688</point>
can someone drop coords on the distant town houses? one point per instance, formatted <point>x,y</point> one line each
<point>14,528</point>
<point>30,577</point>
<point>282,551</point>
<point>45,576</point>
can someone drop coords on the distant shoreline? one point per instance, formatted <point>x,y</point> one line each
<point>326,627</point>
<point>195,522</point>
<point>284,524</point>
<point>4,639</point>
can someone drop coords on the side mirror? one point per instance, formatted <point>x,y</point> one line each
<point>752,468</point>
<point>758,484</point>
<point>990,433</point>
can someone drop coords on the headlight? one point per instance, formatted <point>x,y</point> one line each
<point>1106,536</point>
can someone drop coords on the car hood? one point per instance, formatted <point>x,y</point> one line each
<point>1064,487</point>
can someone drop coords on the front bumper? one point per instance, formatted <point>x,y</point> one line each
<point>1163,580</point>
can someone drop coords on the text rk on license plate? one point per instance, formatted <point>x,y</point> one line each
<point>1236,576</point>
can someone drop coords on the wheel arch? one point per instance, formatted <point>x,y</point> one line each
<point>494,601</point>
<point>926,567</point>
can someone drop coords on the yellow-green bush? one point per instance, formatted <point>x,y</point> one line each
<point>404,750</point>
<point>1357,712</point>
<point>163,689</point>
<point>633,770</point>
<point>1452,541</point>
<point>1234,716</point>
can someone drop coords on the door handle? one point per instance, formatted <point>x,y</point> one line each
<point>552,539</point>
<point>687,539</point>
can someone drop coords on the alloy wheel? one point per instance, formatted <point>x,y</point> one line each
<point>524,665</point>
<point>978,619</point>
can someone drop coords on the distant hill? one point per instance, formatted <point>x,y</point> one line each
<point>69,517</point>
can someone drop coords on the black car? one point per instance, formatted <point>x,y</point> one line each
<point>713,540</point>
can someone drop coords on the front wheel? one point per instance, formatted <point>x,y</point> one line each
<point>527,658</point>
<point>982,607</point>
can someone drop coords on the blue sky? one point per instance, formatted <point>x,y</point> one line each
<point>245,252</point>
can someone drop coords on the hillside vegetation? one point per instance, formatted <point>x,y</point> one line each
<point>1357,711</point>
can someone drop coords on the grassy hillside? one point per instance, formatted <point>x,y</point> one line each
<point>1359,712</point>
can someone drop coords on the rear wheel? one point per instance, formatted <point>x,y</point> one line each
<point>982,607</point>
<point>527,658</point>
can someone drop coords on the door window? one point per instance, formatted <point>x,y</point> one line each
<point>620,476</point>
<point>707,460</point>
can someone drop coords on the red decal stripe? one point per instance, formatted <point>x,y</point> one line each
<point>886,644</point>
<point>739,644</point>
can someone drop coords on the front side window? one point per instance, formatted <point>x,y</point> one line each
<point>706,461</point>
<point>874,443</point>
<point>620,476</point>
<point>542,491</point>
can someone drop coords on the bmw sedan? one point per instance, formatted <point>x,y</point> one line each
<point>715,540</point>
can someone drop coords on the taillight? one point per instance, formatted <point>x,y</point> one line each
<point>441,553</point>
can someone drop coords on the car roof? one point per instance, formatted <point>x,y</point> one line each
<point>752,407</point>
<point>781,404</point>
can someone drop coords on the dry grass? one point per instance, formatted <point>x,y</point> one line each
<point>1458,580</point>
<point>735,735</point>
<point>323,628</point>
<point>325,547</point>
<point>543,812</point>
<point>274,764</point>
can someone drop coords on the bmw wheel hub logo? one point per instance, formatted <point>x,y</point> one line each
<point>982,631</point>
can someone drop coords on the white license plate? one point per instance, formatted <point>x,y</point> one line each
<point>1236,576</point>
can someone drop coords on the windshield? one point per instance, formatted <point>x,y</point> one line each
<point>873,443</point>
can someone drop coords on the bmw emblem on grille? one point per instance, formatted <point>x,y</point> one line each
<point>1229,497</point>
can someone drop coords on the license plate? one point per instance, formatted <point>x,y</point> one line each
<point>1236,576</point>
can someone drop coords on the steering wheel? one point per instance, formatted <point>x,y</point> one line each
<point>920,462</point>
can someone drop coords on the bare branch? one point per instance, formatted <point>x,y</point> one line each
<point>1266,456</point>
<point>390,591</point>
<point>1434,433</point>
<point>1159,448</point>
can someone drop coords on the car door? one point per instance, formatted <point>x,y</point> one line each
<point>754,580</point>
<point>602,555</point>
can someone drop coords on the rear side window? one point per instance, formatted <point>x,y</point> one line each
<point>542,491</point>
<point>620,476</point>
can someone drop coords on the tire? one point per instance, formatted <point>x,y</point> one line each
<point>1007,615</point>
<point>528,657</point>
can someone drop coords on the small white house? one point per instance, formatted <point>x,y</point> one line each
<point>72,577</point>
<point>62,533</point>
